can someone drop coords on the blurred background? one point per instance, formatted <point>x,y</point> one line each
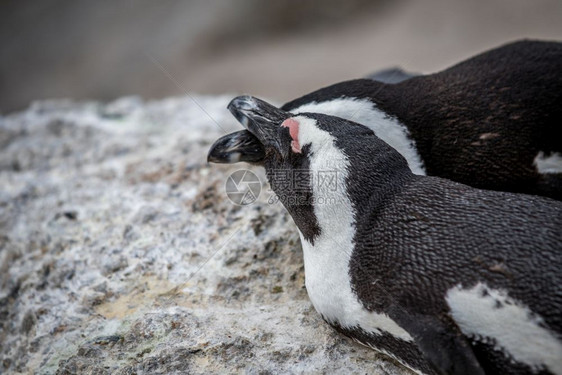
<point>277,49</point>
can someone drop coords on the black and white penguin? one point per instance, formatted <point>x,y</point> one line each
<point>493,121</point>
<point>443,277</point>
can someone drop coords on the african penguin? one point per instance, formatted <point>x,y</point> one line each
<point>443,277</point>
<point>493,121</point>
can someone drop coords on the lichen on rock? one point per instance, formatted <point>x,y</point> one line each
<point>120,252</point>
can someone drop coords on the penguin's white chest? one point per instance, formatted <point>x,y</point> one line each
<point>326,260</point>
<point>328,284</point>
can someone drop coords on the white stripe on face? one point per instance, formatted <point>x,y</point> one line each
<point>364,112</point>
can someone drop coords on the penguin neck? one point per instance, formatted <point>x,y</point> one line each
<point>377,172</point>
<point>347,185</point>
<point>336,211</point>
<point>327,255</point>
<point>384,125</point>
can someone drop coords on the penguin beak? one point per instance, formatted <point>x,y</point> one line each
<point>262,121</point>
<point>260,118</point>
<point>236,147</point>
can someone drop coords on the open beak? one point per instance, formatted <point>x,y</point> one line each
<point>262,121</point>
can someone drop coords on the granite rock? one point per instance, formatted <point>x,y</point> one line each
<point>120,252</point>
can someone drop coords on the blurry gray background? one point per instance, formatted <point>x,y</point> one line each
<point>277,49</point>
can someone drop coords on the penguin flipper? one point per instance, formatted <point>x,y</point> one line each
<point>442,344</point>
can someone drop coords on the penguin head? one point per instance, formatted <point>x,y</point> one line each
<point>310,159</point>
<point>274,136</point>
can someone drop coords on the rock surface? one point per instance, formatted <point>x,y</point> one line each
<point>120,252</point>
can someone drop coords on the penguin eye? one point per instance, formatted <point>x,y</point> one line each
<point>293,126</point>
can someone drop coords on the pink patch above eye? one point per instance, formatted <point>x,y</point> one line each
<point>293,126</point>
